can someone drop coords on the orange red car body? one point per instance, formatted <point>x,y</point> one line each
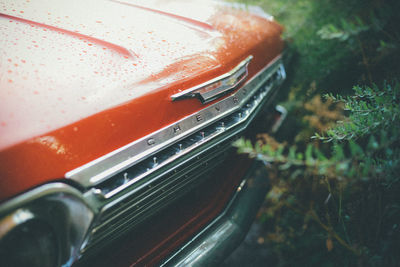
<point>79,82</point>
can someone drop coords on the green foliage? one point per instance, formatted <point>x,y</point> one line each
<point>334,197</point>
<point>347,30</point>
<point>373,111</point>
<point>343,198</point>
<point>336,44</point>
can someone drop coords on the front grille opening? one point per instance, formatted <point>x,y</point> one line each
<point>158,236</point>
<point>154,193</point>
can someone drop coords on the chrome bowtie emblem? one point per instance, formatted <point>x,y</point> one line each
<point>218,86</point>
<point>231,81</point>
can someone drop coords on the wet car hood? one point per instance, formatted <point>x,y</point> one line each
<point>73,67</point>
<point>96,57</point>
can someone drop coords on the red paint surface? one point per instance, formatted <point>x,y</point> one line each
<point>80,79</point>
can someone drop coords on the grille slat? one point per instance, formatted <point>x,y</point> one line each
<point>135,210</point>
<point>135,194</point>
<point>147,194</point>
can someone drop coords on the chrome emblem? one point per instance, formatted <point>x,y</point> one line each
<point>218,86</point>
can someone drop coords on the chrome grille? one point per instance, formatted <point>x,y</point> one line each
<point>154,194</point>
<point>135,193</point>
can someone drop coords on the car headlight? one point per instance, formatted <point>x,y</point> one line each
<point>44,227</point>
<point>32,243</point>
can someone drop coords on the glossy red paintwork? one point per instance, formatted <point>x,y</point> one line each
<point>80,79</point>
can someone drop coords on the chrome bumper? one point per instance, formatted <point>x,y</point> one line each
<point>212,245</point>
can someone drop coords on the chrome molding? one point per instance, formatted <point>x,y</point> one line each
<point>38,193</point>
<point>218,86</point>
<point>59,207</point>
<point>115,162</point>
<point>283,113</point>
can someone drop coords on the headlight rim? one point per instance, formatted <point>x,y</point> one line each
<point>57,204</point>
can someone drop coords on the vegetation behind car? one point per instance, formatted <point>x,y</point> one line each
<point>335,167</point>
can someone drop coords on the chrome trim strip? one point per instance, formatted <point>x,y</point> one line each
<point>276,126</point>
<point>39,192</point>
<point>227,81</point>
<point>158,166</point>
<point>110,164</point>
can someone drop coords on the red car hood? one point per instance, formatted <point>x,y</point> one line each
<point>82,78</point>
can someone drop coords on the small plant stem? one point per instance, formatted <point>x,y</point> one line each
<point>340,213</point>
<point>315,217</point>
<point>333,233</point>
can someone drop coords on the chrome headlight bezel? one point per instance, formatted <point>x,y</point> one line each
<point>59,207</point>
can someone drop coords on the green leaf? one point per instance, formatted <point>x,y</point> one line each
<point>355,149</point>
<point>309,158</point>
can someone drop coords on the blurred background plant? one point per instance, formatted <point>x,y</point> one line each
<point>335,168</point>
